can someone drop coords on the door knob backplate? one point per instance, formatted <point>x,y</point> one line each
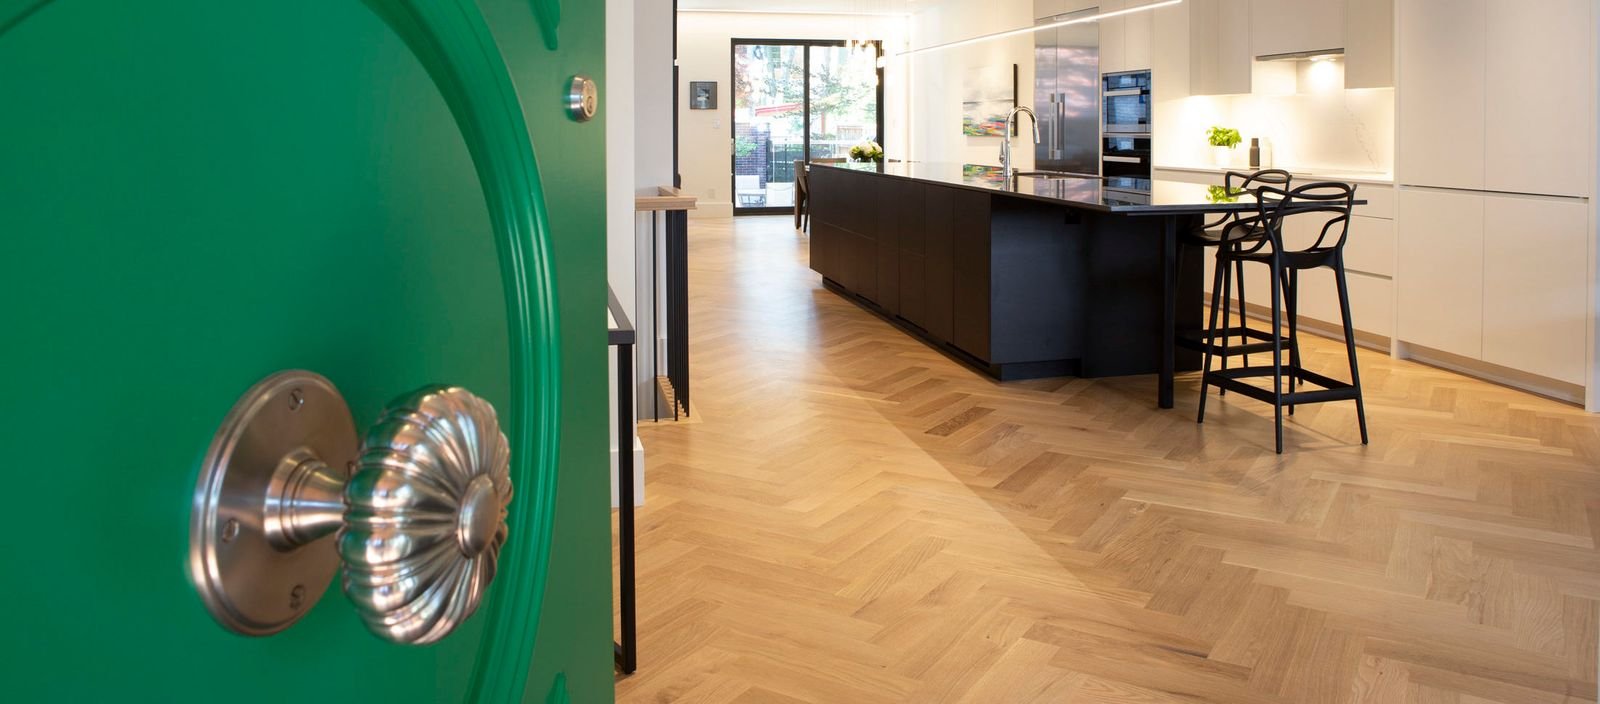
<point>250,581</point>
<point>289,491</point>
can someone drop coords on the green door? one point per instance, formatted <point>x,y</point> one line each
<point>198,194</point>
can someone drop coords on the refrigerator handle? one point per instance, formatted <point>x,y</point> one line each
<point>1061,116</point>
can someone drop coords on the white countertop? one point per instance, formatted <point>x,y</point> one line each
<point>1370,177</point>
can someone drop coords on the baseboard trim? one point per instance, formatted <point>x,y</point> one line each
<point>1554,389</point>
<point>705,210</point>
<point>638,474</point>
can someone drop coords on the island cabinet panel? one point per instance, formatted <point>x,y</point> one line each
<point>1034,271</point>
<point>913,260</point>
<point>970,274</point>
<point>886,258</point>
<point>938,270</point>
<point>825,235</point>
<point>844,243</point>
<point>864,266</point>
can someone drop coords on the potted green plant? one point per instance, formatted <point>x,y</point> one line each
<point>1223,140</point>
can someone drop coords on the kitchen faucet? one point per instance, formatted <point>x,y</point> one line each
<point>1011,123</point>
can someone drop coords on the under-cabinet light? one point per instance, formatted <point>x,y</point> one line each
<point>1040,28</point>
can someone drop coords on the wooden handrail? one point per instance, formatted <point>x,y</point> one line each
<point>667,198</point>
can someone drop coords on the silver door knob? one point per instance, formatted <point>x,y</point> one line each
<point>415,513</point>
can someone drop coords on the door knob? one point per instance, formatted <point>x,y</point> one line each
<point>415,512</point>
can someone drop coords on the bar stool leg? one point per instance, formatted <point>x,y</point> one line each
<point>1217,284</point>
<point>1244,322</point>
<point>1350,346</point>
<point>1291,294</point>
<point>1227,286</point>
<point>1277,352</point>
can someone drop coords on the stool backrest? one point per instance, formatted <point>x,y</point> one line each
<point>1237,181</point>
<point>1333,199</point>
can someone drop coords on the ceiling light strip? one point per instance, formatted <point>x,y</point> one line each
<point>1041,27</point>
<point>819,13</point>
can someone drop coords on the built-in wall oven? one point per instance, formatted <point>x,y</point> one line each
<point>1125,155</point>
<point>1125,125</point>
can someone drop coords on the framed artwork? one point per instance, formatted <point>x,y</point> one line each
<point>987,95</point>
<point>702,95</point>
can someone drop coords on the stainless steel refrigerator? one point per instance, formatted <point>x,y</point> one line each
<point>1066,94</point>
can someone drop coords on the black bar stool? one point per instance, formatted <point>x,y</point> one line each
<point>1260,239</point>
<point>802,197</point>
<point>1210,234</point>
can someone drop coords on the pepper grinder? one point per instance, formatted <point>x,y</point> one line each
<point>1255,152</point>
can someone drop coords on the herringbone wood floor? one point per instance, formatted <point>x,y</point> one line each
<point>853,517</point>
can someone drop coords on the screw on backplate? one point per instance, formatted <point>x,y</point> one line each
<point>297,596</point>
<point>230,530</point>
<point>297,398</point>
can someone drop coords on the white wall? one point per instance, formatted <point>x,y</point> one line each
<point>936,77</point>
<point>618,105</point>
<point>705,48</point>
<point>617,100</point>
<point>1301,109</point>
<point>652,54</point>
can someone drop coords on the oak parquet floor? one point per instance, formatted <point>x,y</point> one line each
<point>856,518</point>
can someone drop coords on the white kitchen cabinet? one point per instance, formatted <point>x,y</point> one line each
<point>1170,58</point>
<point>1535,286</point>
<point>1219,47</point>
<point>1379,198</point>
<point>1371,300</point>
<point>1540,81</point>
<point>1443,45</point>
<point>1048,9</point>
<point>1440,276</point>
<point>1369,43</point>
<point>1125,41</point>
<point>1371,297</point>
<point>1290,26</point>
<point>1138,35</point>
<point>1113,37</point>
<point>1371,249</point>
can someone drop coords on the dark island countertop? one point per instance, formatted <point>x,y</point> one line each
<point>1131,196</point>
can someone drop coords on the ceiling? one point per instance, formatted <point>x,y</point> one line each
<point>809,6</point>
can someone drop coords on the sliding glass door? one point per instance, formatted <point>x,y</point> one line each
<point>798,100</point>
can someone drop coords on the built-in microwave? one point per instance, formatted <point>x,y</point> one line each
<point>1126,98</point>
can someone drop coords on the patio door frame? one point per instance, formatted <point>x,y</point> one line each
<point>805,108</point>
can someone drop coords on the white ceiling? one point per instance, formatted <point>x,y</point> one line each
<point>812,6</point>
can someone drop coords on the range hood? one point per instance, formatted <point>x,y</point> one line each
<point>1315,55</point>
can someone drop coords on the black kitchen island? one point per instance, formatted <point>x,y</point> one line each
<point>1036,276</point>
